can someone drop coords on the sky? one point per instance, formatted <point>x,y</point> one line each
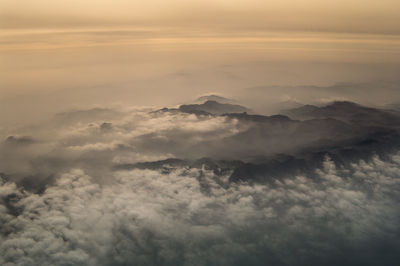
<point>60,55</point>
<point>352,16</point>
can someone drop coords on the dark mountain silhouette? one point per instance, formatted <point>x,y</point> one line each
<point>347,111</point>
<point>216,98</point>
<point>267,169</point>
<point>207,108</point>
<point>258,118</point>
<point>213,107</point>
<point>219,167</point>
<point>278,146</point>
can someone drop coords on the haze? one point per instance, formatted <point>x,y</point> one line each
<point>181,133</point>
<point>60,55</point>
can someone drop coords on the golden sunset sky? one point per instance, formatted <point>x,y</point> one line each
<point>112,51</point>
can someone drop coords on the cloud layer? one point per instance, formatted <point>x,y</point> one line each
<point>192,217</point>
<point>99,138</point>
<point>63,201</point>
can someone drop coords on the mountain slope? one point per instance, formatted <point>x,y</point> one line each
<point>213,107</point>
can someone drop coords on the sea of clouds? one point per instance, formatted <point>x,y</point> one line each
<point>85,213</point>
<point>99,138</point>
<point>192,217</point>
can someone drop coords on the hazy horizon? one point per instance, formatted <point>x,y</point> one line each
<point>73,54</point>
<point>200,133</point>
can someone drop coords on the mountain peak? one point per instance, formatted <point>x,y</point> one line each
<point>215,98</point>
<point>213,107</point>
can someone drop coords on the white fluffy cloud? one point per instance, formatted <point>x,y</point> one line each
<point>192,217</point>
<point>96,137</point>
<point>77,209</point>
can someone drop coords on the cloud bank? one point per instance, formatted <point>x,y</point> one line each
<point>164,187</point>
<point>190,217</point>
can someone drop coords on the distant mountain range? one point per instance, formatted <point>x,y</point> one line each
<point>293,143</point>
<point>348,112</point>
<point>213,107</point>
<point>210,107</point>
<point>216,98</point>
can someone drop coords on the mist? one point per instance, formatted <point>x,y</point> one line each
<point>199,133</point>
